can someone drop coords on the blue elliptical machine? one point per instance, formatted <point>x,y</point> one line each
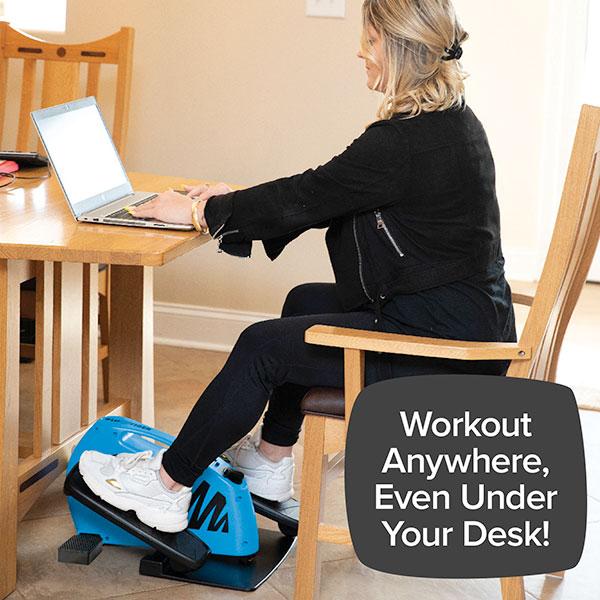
<point>222,546</point>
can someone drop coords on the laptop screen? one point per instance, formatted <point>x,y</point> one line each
<point>82,153</point>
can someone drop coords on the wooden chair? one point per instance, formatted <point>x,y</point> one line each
<point>61,75</point>
<point>62,66</point>
<point>534,356</point>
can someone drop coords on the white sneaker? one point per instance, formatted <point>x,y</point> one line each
<point>265,478</point>
<point>132,482</point>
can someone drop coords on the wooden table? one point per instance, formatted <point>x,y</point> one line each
<point>40,238</point>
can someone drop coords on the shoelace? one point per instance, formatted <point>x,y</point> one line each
<point>248,443</point>
<point>129,461</point>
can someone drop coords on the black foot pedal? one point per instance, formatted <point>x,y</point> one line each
<point>184,549</point>
<point>227,572</point>
<point>80,549</point>
<point>285,514</point>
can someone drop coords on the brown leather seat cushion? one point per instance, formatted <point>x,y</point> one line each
<point>323,401</point>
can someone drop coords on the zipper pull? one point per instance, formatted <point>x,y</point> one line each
<point>220,237</point>
<point>380,223</point>
<point>219,240</point>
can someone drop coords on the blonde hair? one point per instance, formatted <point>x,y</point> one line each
<point>416,35</point>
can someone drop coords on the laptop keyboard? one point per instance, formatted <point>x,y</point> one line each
<point>124,214</point>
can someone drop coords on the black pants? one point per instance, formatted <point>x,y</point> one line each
<point>271,363</point>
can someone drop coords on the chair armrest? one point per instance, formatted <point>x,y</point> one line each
<point>524,299</point>
<point>374,341</point>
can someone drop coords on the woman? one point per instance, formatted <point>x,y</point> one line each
<point>414,239</point>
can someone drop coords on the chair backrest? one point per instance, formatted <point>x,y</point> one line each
<point>570,254</point>
<point>61,77</point>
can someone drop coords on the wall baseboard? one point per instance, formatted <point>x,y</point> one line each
<point>205,328</point>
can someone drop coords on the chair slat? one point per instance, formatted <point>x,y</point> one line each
<point>93,78</point>
<point>523,299</point>
<point>89,366</point>
<point>3,89</point>
<point>60,84</point>
<point>42,408</point>
<point>123,90</point>
<point>334,535</point>
<point>27,89</point>
<point>66,357</point>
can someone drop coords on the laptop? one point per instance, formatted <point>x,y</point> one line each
<point>88,166</point>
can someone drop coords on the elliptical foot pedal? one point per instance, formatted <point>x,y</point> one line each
<point>285,514</point>
<point>80,549</point>
<point>227,572</point>
<point>186,550</point>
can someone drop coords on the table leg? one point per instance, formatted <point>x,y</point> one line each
<point>131,340</point>
<point>9,421</point>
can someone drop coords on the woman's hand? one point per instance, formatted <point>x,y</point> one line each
<point>173,207</point>
<point>170,207</point>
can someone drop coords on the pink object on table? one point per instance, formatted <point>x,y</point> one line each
<point>8,166</point>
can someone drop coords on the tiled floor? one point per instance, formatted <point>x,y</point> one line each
<point>180,376</point>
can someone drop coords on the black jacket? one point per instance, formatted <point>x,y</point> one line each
<point>409,205</point>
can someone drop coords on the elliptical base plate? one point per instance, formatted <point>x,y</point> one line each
<point>227,572</point>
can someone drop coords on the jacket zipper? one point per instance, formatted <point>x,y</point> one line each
<point>219,238</point>
<point>381,225</point>
<point>217,232</point>
<point>360,269</point>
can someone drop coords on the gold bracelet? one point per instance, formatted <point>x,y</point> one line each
<point>195,220</point>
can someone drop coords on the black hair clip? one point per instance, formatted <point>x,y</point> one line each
<point>454,52</point>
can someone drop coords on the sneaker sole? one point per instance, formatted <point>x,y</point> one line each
<point>143,515</point>
<point>282,498</point>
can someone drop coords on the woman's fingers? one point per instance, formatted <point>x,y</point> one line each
<point>222,188</point>
<point>205,191</point>
<point>215,190</point>
<point>206,195</point>
<point>146,211</point>
<point>195,190</point>
<point>149,206</point>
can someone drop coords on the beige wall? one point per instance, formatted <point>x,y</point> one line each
<point>249,90</point>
